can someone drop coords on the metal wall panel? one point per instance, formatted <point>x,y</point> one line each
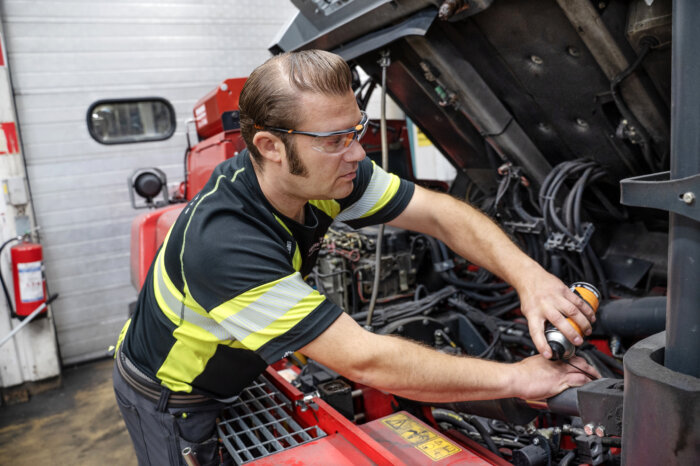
<point>63,56</point>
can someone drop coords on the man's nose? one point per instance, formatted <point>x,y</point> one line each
<point>355,152</point>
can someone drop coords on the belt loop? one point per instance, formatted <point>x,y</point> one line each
<point>163,400</point>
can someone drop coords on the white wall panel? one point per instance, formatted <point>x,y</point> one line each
<point>65,55</point>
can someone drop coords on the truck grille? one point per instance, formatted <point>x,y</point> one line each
<point>260,423</point>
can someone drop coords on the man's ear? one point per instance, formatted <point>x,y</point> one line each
<point>270,147</point>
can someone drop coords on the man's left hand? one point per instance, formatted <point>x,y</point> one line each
<point>543,297</point>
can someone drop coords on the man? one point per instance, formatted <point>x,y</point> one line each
<point>225,296</point>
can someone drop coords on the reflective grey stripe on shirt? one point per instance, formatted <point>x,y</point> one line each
<point>269,307</point>
<point>187,314</point>
<point>375,190</point>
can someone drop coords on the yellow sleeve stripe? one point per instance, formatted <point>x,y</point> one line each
<point>329,207</point>
<point>380,190</point>
<point>194,322</point>
<point>184,362</point>
<point>267,311</point>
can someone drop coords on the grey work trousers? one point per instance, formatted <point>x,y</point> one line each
<point>160,436</point>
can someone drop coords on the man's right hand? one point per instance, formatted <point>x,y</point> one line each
<point>540,378</point>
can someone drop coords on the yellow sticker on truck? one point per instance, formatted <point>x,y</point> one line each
<point>427,441</point>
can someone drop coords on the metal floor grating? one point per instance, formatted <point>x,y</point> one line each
<point>260,423</point>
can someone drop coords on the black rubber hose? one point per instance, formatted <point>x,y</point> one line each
<point>557,184</point>
<point>635,318</point>
<point>599,272</point>
<point>607,359</point>
<point>626,112</point>
<point>570,169</point>
<point>547,448</point>
<point>482,431</point>
<point>592,358</point>
<point>518,206</point>
<point>445,415</point>
<point>10,306</point>
<point>504,309</point>
<point>570,201</point>
<point>436,253</point>
<point>579,198</point>
<point>567,459</point>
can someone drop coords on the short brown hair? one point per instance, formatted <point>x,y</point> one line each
<point>266,100</point>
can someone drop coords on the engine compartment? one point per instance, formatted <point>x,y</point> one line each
<point>545,108</point>
<point>429,295</point>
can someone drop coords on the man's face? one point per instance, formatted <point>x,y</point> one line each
<point>318,175</point>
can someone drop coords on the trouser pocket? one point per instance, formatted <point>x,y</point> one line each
<point>196,429</point>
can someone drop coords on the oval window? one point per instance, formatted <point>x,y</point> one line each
<point>122,121</point>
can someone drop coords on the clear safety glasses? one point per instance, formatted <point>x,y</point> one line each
<point>331,142</point>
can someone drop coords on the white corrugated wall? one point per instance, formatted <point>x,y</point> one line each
<point>63,56</point>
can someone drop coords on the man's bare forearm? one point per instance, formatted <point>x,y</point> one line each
<point>472,235</point>
<point>421,373</point>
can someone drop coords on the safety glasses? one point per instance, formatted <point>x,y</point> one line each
<point>331,142</point>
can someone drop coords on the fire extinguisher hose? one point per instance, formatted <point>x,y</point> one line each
<point>2,280</point>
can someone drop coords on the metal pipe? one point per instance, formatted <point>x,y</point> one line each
<point>189,456</point>
<point>26,321</point>
<point>683,316</point>
<point>384,62</point>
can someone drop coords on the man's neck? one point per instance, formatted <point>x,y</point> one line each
<point>287,204</point>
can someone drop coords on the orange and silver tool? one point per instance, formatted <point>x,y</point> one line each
<point>561,347</point>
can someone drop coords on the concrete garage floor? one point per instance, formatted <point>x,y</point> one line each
<point>76,424</point>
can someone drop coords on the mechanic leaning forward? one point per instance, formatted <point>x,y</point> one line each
<point>225,295</point>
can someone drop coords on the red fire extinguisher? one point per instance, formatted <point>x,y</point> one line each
<point>28,277</point>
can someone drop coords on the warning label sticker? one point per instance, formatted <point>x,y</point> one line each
<point>430,443</point>
<point>31,283</point>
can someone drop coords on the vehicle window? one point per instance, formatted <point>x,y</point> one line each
<point>124,121</point>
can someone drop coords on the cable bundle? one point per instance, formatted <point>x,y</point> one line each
<point>568,235</point>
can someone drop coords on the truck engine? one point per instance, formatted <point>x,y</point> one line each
<point>565,122</point>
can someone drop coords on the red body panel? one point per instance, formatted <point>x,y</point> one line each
<point>146,237</point>
<point>208,110</point>
<point>371,443</point>
<point>208,154</point>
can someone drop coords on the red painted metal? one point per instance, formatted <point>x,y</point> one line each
<point>29,286</point>
<point>208,110</point>
<point>407,446</point>
<point>331,421</point>
<point>476,448</point>
<point>334,450</point>
<point>208,154</point>
<point>145,241</point>
<point>370,443</point>
<point>10,145</point>
<point>601,345</point>
<point>375,403</point>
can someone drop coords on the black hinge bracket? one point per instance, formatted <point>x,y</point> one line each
<point>658,191</point>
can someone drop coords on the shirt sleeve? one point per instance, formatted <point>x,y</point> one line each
<point>378,197</point>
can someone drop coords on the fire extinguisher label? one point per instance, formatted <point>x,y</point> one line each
<point>31,284</point>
